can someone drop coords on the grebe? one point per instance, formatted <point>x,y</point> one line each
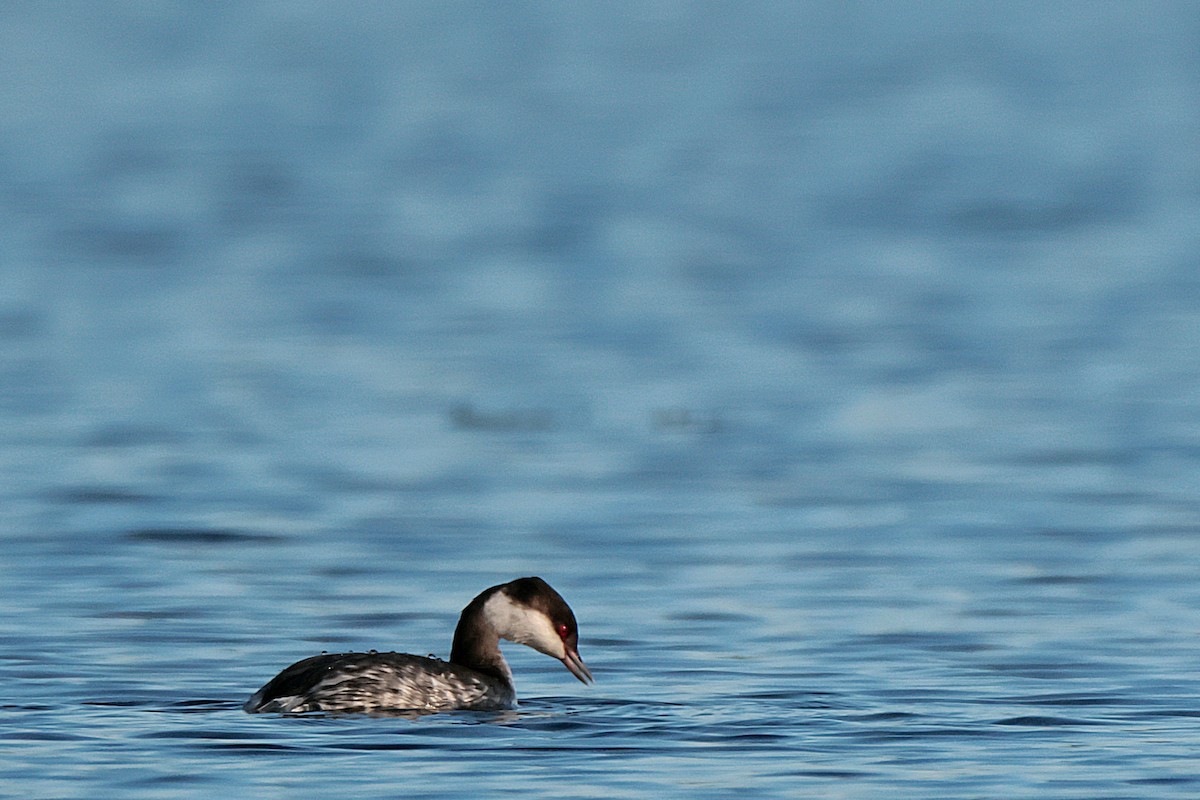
<point>527,611</point>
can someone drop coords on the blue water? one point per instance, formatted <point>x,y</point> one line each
<point>838,363</point>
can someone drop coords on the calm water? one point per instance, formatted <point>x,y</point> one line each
<point>840,368</point>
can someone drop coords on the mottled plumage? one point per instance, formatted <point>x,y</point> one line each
<point>527,611</point>
<point>379,681</point>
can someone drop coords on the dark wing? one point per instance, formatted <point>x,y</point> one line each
<point>295,680</point>
<point>357,682</point>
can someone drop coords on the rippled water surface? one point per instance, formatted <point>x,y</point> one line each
<point>839,366</point>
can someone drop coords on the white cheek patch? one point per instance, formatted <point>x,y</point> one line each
<point>523,626</point>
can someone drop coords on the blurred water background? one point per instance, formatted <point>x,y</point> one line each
<point>838,362</point>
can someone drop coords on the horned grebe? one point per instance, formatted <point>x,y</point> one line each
<point>527,611</point>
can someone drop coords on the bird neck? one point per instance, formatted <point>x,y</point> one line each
<point>477,642</point>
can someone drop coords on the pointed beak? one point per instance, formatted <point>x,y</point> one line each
<point>575,664</point>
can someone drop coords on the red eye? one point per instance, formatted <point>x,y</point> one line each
<point>563,631</point>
